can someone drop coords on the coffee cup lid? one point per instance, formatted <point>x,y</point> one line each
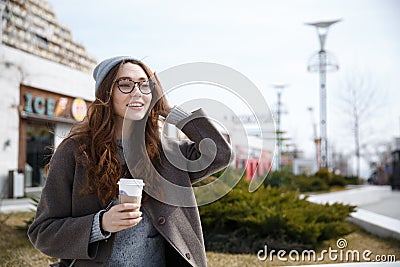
<point>127,181</point>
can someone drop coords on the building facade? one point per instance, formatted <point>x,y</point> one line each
<point>46,86</point>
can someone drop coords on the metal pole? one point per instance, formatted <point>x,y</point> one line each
<point>279,88</point>
<point>278,133</point>
<point>323,118</point>
<point>322,67</point>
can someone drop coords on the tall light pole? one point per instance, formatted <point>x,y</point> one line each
<point>322,62</point>
<point>279,89</point>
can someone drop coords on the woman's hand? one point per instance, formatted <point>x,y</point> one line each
<point>120,217</point>
<point>167,108</point>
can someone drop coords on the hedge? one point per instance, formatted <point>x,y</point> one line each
<point>243,222</point>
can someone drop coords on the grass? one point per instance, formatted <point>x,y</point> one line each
<point>358,240</point>
<point>16,250</point>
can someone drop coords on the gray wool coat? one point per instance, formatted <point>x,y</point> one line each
<point>64,217</point>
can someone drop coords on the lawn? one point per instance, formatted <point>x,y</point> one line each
<point>16,250</point>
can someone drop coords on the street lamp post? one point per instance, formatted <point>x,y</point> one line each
<point>279,89</point>
<point>322,62</point>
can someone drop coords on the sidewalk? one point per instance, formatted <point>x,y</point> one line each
<point>389,205</point>
<point>377,208</point>
<point>16,205</point>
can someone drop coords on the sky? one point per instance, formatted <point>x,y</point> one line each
<point>269,43</point>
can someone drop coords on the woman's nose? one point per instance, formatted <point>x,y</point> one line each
<point>135,91</point>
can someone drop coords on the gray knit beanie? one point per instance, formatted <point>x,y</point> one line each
<point>102,69</point>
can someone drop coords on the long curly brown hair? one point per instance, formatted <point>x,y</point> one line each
<point>96,135</point>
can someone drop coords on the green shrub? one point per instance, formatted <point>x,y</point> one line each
<point>321,181</point>
<point>325,175</point>
<point>302,183</point>
<point>278,178</point>
<point>243,222</point>
<point>351,180</point>
<point>308,184</point>
<point>338,180</point>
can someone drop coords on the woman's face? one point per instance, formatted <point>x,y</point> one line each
<point>133,105</point>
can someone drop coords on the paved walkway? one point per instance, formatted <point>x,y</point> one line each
<point>377,208</point>
<point>378,199</point>
<point>388,205</point>
<point>16,205</point>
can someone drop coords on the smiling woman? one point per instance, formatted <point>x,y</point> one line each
<point>79,216</point>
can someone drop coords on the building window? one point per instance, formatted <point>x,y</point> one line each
<point>40,40</point>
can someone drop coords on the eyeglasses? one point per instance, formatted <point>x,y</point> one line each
<point>126,86</point>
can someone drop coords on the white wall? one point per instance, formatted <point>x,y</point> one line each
<point>51,76</point>
<point>9,118</point>
<point>304,163</point>
<point>17,67</point>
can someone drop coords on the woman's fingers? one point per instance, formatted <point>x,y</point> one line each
<point>128,215</point>
<point>125,207</point>
<point>121,216</point>
<point>129,223</point>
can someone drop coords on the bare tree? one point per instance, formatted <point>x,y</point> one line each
<point>361,102</point>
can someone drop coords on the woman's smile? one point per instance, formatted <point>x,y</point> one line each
<point>136,105</point>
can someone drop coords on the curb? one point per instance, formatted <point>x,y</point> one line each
<point>377,224</point>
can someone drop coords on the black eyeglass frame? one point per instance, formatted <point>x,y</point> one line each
<point>136,84</point>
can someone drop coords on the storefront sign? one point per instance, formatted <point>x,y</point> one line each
<point>39,105</point>
<point>47,104</point>
<point>61,106</point>
<point>79,109</point>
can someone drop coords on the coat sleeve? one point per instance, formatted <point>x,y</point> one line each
<point>208,157</point>
<point>55,231</point>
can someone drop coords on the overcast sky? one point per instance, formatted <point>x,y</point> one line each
<point>268,42</point>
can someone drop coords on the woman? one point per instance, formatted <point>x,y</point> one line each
<point>78,218</point>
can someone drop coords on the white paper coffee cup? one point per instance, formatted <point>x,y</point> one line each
<point>130,190</point>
